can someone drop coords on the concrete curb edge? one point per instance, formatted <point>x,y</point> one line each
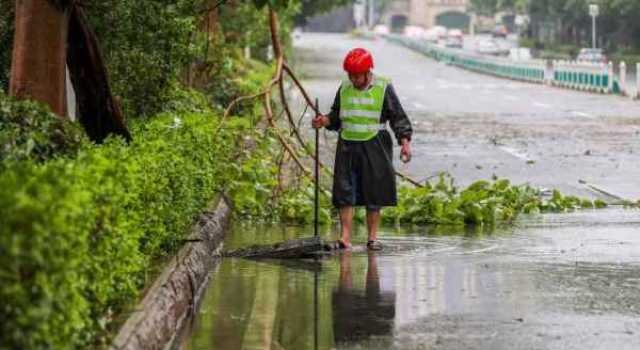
<point>161,314</point>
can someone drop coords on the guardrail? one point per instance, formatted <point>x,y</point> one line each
<point>577,75</point>
<point>597,77</point>
<point>530,70</point>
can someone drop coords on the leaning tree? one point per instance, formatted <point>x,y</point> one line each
<point>51,35</point>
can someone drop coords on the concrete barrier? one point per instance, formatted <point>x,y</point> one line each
<point>577,75</point>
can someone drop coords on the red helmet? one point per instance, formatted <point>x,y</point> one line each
<point>358,60</point>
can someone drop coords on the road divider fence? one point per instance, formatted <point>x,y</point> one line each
<point>577,75</point>
<point>587,76</point>
<point>530,70</point>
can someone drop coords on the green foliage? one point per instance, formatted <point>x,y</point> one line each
<point>77,236</point>
<point>481,203</point>
<point>254,190</point>
<point>146,45</point>
<point>617,24</point>
<point>29,131</point>
<point>82,223</point>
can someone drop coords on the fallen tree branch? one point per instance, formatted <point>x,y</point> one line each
<point>287,147</point>
<point>278,78</point>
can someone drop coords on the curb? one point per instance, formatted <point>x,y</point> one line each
<point>159,317</point>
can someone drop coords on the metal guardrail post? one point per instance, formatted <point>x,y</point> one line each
<point>609,77</point>
<point>637,80</point>
<point>623,79</point>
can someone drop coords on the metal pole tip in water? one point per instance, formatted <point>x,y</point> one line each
<point>317,177</point>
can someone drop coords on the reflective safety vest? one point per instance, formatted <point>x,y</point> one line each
<point>360,110</point>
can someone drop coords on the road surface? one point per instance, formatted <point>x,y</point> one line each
<point>474,126</point>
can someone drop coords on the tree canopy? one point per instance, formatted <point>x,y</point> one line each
<point>618,23</point>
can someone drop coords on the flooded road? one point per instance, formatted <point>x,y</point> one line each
<point>474,126</point>
<point>557,281</point>
<point>566,281</point>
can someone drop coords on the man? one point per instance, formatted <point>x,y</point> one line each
<point>363,172</point>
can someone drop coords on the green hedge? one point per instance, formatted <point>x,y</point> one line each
<point>29,131</point>
<point>78,235</point>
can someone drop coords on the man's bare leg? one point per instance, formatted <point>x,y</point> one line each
<point>373,219</point>
<point>346,222</point>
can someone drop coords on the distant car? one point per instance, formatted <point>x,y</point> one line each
<point>431,36</point>
<point>414,31</point>
<point>381,29</point>
<point>488,47</point>
<point>440,31</point>
<point>520,54</point>
<point>592,55</point>
<point>454,41</point>
<point>500,31</point>
<point>455,32</point>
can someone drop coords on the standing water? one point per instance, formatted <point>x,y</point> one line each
<point>542,284</point>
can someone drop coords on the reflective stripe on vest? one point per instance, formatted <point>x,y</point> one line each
<point>363,127</point>
<point>360,110</point>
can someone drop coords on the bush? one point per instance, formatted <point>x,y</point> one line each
<point>28,130</point>
<point>78,235</point>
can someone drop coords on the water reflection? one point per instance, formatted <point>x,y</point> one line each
<point>435,289</point>
<point>279,305</point>
<point>359,315</point>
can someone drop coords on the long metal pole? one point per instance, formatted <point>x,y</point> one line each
<point>594,30</point>
<point>316,315</point>
<point>371,9</point>
<point>317,179</point>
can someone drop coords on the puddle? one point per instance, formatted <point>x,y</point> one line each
<point>566,281</point>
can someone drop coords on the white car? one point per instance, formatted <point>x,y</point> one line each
<point>520,54</point>
<point>488,47</point>
<point>454,41</point>
<point>431,36</point>
<point>455,33</point>
<point>381,29</point>
<point>440,31</point>
<point>414,32</point>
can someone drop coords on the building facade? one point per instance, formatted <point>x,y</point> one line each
<point>427,14</point>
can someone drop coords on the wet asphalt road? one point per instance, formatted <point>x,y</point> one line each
<point>557,281</point>
<point>474,126</point>
<point>552,281</point>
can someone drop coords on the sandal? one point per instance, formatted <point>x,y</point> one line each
<point>374,245</point>
<point>337,245</point>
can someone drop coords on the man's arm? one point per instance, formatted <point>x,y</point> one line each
<point>393,112</point>
<point>399,121</point>
<point>330,121</point>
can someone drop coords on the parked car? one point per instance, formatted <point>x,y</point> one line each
<point>454,41</point>
<point>455,32</point>
<point>440,31</point>
<point>488,47</point>
<point>520,54</point>
<point>381,29</point>
<point>431,36</point>
<point>416,32</point>
<point>592,55</point>
<point>500,31</point>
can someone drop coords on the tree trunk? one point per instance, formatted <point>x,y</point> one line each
<point>39,54</point>
<point>99,112</point>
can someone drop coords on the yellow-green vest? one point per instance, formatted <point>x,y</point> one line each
<point>360,110</point>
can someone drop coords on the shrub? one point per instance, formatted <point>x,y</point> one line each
<point>29,131</point>
<point>78,235</point>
